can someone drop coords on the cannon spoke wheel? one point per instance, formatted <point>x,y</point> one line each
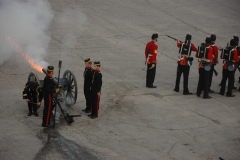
<point>71,92</point>
<point>33,77</point>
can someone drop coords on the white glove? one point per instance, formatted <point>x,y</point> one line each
<point>153,65</point>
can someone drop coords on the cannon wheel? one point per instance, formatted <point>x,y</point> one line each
<point>33,77</point>
<point>72,89</point>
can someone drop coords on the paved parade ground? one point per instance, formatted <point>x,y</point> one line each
<point>134,122</point>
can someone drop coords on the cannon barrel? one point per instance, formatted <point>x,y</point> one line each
<point>44,71</point>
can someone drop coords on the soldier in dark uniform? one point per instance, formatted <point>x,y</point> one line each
<point>88,74</point>
<point>151,60</point>
<point>214,61</point>
<point>228,70</point>
<point>96,89</point>
<point>204,70</point>
<point>30,93</point>
<point>183,66</point>
<point>48,89</point>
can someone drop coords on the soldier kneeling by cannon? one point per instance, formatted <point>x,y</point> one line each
<point>30,93</point>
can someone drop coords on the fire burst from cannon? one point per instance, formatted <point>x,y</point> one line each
<point>18,49</point>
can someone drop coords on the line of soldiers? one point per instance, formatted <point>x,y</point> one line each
<point>92,87</point>
<point>207,54</point>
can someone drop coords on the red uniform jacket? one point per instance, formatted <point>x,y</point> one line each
<point>151,52</point>
<point>215,53</point>
<point>238,50</point>
<point>235,58</point>
<point>210,56</point>
<point>183,59</point>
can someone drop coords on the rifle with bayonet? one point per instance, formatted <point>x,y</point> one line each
<point>173,38</point>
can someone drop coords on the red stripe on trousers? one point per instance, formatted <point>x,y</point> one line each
<point>97,105</point>
<point>49,108</point>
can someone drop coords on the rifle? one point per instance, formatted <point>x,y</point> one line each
<point>215,72</point>
<point>220,49</point>
<point>173,38</point>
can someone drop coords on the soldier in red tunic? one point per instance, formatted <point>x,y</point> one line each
<point>205,55</point>
<point>185,49</point>
<point>214,61</point>
<point>228,68</point>
<point>237,63</point>
<point>151,60</point>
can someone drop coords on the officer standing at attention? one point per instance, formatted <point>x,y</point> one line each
<point>205,55</point>
<point>48,91</point>
<point>30,93</point>
<point>228,69</point>
<point>88,74</point>
<point>215,59</point>
<point>96,89</point>
<point>185,49</point>
<point>151,51</point>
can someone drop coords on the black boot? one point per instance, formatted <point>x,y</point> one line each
<point>210,91</point>
<point>29,113</point>
<point>36,114</point>
<point>176,90</point>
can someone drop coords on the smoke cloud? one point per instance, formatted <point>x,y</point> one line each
<point>26,21</point>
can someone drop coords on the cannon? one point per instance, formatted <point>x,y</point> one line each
<point>67,95</point>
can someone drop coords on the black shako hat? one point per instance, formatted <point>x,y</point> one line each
<point>188,37</point>
<point>233,42</point>
<point>87,60</point>
<point>213,37</point>
<point>208,40</point>
<point>154,36</point>
<point>97,63</point>
<point>236,38</point>
<point>50,68</point>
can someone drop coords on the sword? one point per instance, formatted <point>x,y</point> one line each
<point>32,102</point>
